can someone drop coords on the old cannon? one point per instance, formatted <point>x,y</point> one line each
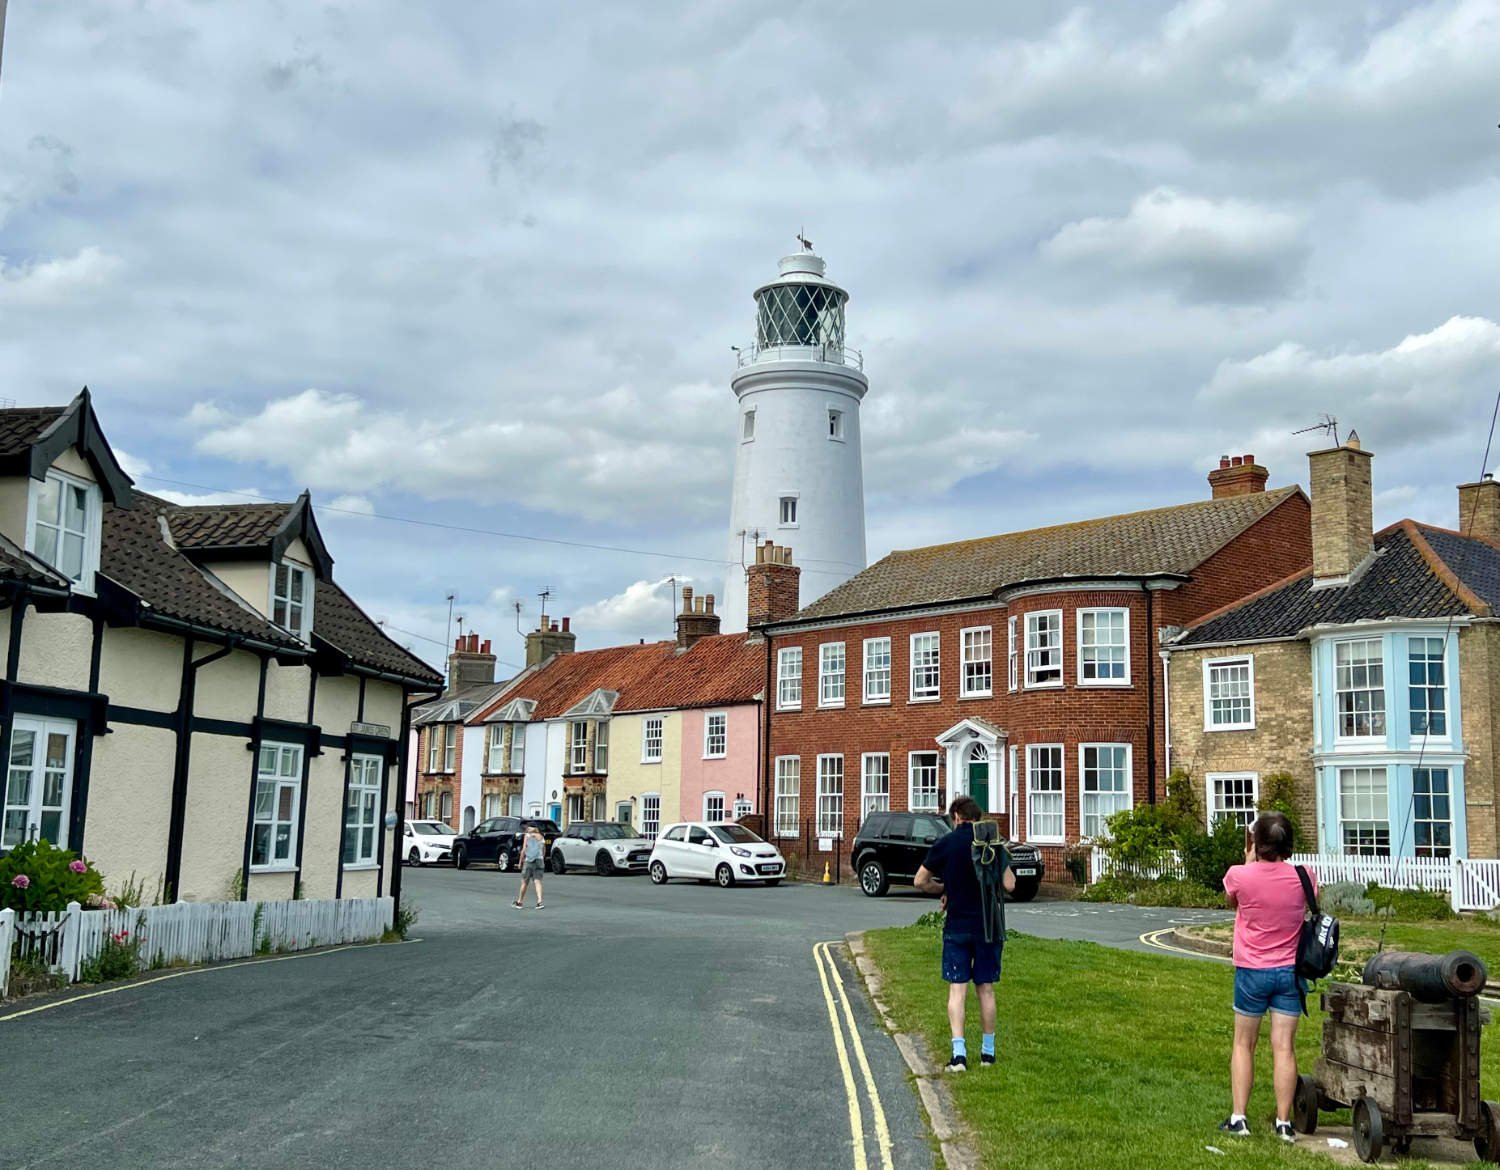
<point>1401,1049</point>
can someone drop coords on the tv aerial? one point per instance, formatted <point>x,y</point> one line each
<point>1328,425</point>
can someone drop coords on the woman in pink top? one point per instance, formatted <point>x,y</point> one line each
<point>1269,906</point>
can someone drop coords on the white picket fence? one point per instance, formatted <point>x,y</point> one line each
<point>1471,884</point>
<point>190,932</point>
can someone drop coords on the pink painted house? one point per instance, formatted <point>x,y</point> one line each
<point>720,761</point>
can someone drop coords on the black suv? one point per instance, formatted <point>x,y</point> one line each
<point>891,846</point>
<point>498,840</point>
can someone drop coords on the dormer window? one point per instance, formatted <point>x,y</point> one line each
<point>64,531</point>
<point>291,599</point>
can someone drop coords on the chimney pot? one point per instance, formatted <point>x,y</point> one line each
<point>687,599</point>
<point>458,644</point>
<point>709,603</point>
<point>567,622</point>
<point>552,628</point>
<point>1223,461</point>
<point>1249,458</point>
<point>485,649</point>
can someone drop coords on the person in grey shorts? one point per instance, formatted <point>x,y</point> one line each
<point>533,847</point>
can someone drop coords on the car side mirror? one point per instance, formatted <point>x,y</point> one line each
<point>711,843</point>
<point>929,839</point>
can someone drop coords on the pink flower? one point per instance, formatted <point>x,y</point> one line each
<point>78,866</point>
<point>20,881</point>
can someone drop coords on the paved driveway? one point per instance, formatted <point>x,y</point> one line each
<point>625,1025</point>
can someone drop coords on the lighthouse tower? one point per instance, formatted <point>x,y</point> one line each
<point>798,477</point>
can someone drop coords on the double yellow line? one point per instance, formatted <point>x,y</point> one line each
<point>828,975</point>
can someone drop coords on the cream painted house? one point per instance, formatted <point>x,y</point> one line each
<point>190,699</point>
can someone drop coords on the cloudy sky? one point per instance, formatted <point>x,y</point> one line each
<point>471,271</point>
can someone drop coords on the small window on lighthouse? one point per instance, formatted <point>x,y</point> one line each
<point>748,432</point>
<point>835,424</point>
<point>788,510</point>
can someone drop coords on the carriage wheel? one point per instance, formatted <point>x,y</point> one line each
<point>1305,1105</point>
<point>1487,1141</point>
<point>1369,1130</point>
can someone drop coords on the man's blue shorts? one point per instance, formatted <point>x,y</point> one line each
<point>967,958</point>
<point>1277,989</point>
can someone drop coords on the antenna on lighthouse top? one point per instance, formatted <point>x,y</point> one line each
<point>803,240</point>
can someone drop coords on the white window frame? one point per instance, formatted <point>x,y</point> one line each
<point>624,806</point>
<point>491,805</point>
<point>573,807</point>
<point>917,801</point>
<point>362,810</point>
<point>601,747</point>
<point>578,748</point>
<point>830,820</point>
<point>1339,807</point>
<point>650,815</point>
<point>788,810</point>
<point>517,761</point>
<point>783,510</point>
<point>1213,807</point>
<point>514,804</point>
<point>871,695</point>
<point>1012,669</point>
<point>450,746</point>
<point>302,628</point>
<point>434,748</point>
<point>742,808</point>
<point>789,678</point>
<point>1339,692</point>
<point>935,692</point>
<point>284,772</point>
<point>1432,850</point>
<point>965,690</point>
<point>835,425</point>
<point>872,797</point>
<point>93,519</point>
<point>1100,794</point>
<point>1209,666</point>
<point>36,806</point>
<point>1060,792</point>
<point>1083,647</point>
<point>747,426</point>
<point>833,665</point>
<point>648,739</point>
<point>715,747</point>
<point>1443,686</point>
<point>495,760</point>
<point>709,799</point>
<point>1034,649</point>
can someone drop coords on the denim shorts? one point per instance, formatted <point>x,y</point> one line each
<point>532,870</point>
<point>1278,989</point>
<point>967,958</point>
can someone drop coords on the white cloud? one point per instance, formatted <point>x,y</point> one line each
<point>1205,249</point>
<point>643,605</point>
<point>50,283</point>
<point>348,505</point>
<point>193,499</point>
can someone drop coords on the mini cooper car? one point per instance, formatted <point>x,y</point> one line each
<point>726,854</point>
<point>890,846</point>
<point>607,846</point>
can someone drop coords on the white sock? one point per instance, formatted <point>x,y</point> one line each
<point>1233,1117</point>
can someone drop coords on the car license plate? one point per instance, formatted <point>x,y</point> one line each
<point>769,868</point>
<point>1024,870</point>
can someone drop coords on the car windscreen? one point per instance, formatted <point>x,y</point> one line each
<point>734,835</point>
<point>610,833</point>
<point>429,829</point>
<point>932,827</point>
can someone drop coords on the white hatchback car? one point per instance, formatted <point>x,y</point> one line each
<point>427,842</point>
<point>726,854</point>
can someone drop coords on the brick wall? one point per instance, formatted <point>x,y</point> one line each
<point>1479,683</point>
<point>1280,741</point>
<point>440,782</point>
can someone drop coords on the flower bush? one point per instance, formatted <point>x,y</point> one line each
<point>37,876</point>
<point>120,958</point>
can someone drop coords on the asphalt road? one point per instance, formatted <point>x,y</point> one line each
<point>624,1025</point>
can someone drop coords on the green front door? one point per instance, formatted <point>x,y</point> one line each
<point>979,783</point>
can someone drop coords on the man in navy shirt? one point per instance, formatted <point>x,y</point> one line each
<point>949,870</point>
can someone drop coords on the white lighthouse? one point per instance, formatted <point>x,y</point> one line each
<point>798,477</point>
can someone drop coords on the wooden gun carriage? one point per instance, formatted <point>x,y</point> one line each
<point>1401,1050</point>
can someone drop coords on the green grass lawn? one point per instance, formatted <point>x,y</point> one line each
<point>1107,1058</point>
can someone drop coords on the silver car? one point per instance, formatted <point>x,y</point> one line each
<point>606,846</point>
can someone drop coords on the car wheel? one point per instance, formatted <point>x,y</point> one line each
<point>872,878</point>
<point>502,860</point>
<point>460,858</point>
<point>724,876</point>
<point>603,864</point>
<point>658,873</point>
<point>1024,891</point>
<point>559,866</point>
<point>414,857</point>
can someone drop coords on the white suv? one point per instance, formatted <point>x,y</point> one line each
<point>727,854</point>
<point>426,842</point>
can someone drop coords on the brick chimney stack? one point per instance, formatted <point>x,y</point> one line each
<point>697,619</point>
<point>548,640</point>
<point>1237,475</point>
<point>1343,510</point>
<point>470,665</point>
<point>1479,508</point>
<point>772,585</point>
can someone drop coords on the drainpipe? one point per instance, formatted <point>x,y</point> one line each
<point>1166,703</point>
<point>767,798</point>
<point>1150,695</point>
<point>177,824</point>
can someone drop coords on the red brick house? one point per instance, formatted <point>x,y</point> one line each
<point>1021,668</point>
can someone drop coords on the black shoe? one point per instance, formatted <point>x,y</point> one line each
<point>1285,1131</point>
<point>1237,1128</point>
<point>986,1058</point>
<point>957,1064</point>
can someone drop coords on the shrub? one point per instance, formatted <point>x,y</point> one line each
<point>1076,862</point>
<point>1181,807</point>
<point>37,876</point>
<point>1345,900</point>
<point>1206,857</point>
<point>1161,892</point>
<point>132,893</point>
<point>1410,905</point>
<point>120,958</point>
<point>1277,794</point>
<point>406,915</point>
<point>932,920</point>
<point>1140,838</point>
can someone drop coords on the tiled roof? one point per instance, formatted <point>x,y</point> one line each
<point>1172,540</point>
<point>227,526</point>
<point>347,628</point>
<point>21,426</point>
<point>1407,580</point>
<point>16,562</point>
<point>722,669</point>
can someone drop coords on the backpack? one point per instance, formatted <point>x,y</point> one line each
<point>990,862</point>
<point>1318,948</point>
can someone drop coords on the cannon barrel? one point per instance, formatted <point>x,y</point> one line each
<point>1429,978</point>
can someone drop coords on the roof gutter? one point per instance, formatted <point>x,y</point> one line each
<point>221,637</point>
